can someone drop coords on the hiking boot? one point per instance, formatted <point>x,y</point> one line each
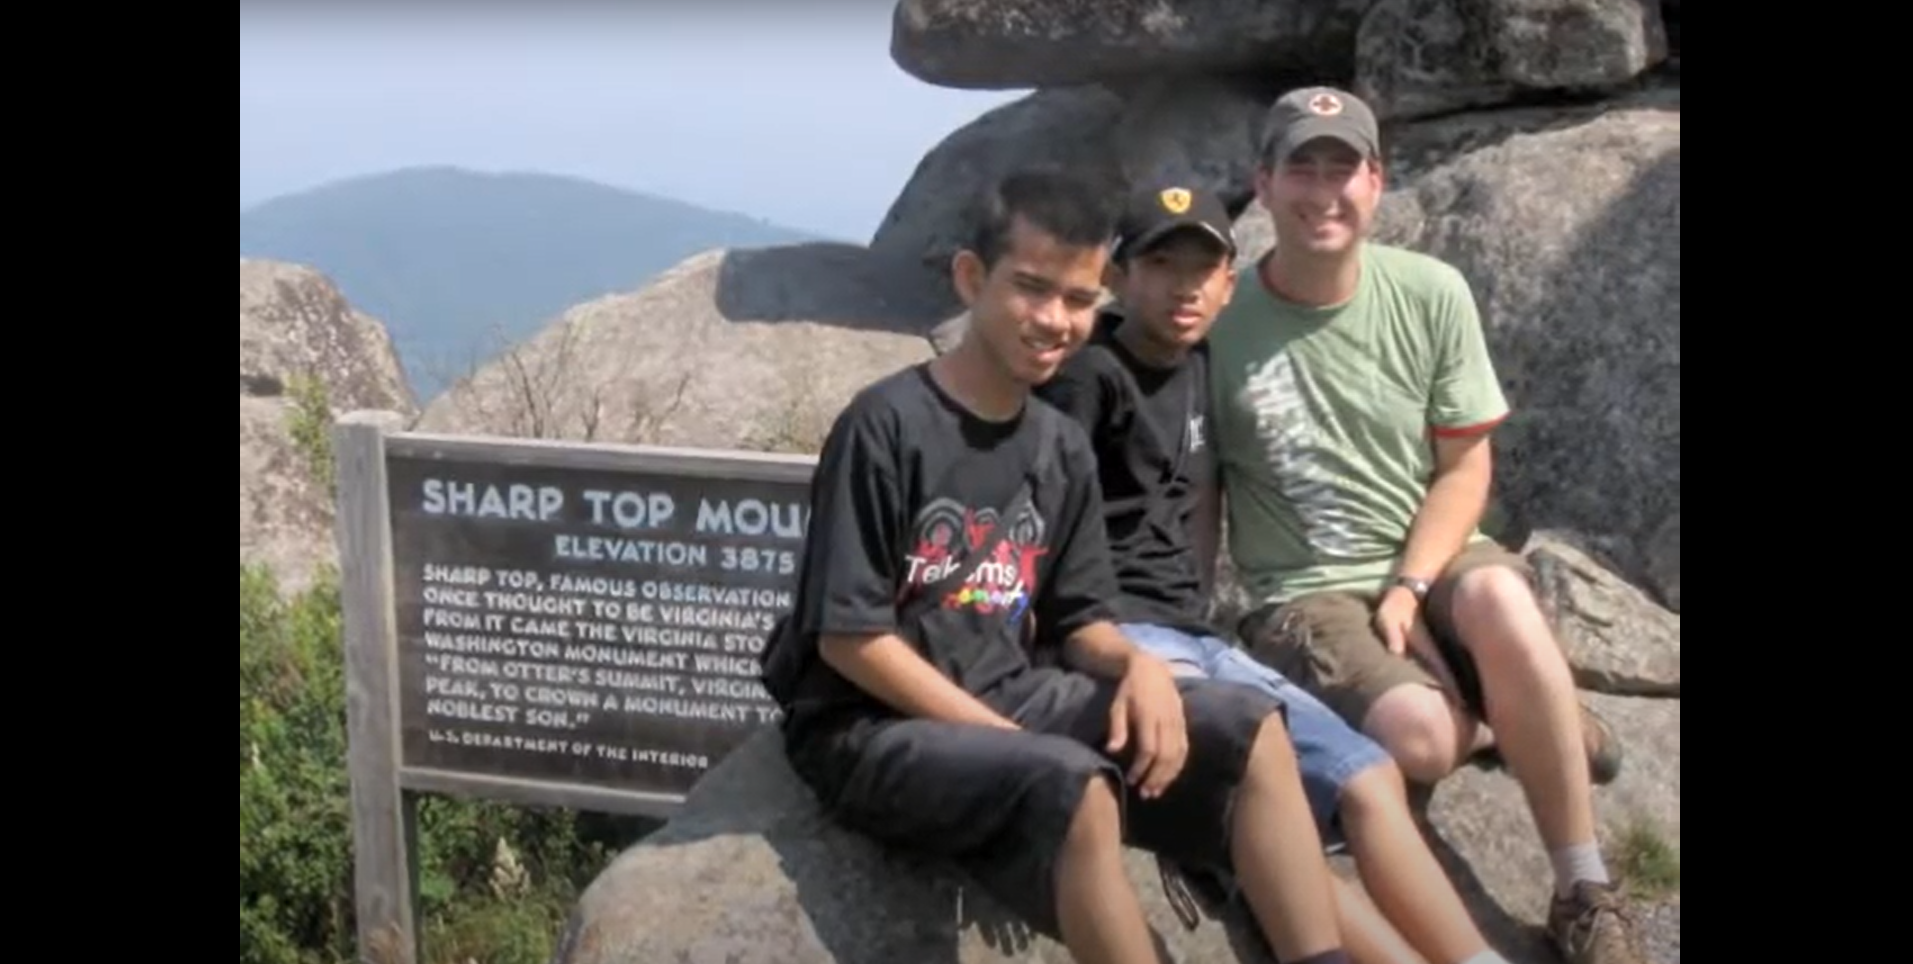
<point>1593,926</point>
<point>1603,750</point>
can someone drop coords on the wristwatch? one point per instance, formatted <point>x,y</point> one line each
<point>1419,587</point>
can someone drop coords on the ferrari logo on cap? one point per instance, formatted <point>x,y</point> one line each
<point>1326,105</point>
<point>1176,200</point>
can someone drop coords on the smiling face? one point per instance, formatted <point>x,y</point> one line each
<point>1322,196</point>
<point>1037,302</point>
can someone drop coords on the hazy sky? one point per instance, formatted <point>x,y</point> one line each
<point>789,111</point>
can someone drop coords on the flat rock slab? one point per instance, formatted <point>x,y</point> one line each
<point>1009,44</point>
<point>1618,639</point>
<point>752,872</point>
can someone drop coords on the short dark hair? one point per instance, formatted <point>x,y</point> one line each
<point>1074,208</point>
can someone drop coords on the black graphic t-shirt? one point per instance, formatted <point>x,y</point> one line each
<point>1149,429</point>
<point>908,485</point>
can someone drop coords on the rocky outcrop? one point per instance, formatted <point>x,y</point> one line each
<point>759,875</point>
<point>1008,44</point>
<point>1410,57</point>
<point>1419,58</point>
<point>1617,638</point>
<point>305,354</point>
<point>1664,561</point>
<point>754,348</point>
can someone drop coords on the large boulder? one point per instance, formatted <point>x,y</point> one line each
<point>746,348</point>
<point>1009,44</point>
<point>305,354</point>
<point>293,321</point>
<point>1416,58</point>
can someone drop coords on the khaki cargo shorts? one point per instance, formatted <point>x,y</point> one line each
<point>1327,641</point>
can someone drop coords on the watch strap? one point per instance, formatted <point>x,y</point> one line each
<point>1419,587</point>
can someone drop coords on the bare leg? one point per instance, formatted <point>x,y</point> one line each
<point>1399,871</point>
<point>1278,853</point>
<point>1368,936</point>
<point>1098,911</point>
<point>1531,698</point>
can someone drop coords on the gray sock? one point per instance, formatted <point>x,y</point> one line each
<point>1487,957</point>
<point>1577,863</point>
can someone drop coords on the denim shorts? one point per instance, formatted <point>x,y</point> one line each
<point>1328,751</point>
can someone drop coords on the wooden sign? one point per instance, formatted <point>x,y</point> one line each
<point>547,623</point>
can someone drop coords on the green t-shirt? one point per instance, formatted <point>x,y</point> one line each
<point>1324,419</point>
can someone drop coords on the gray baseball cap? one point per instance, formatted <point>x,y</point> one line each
<point>1303,115</point>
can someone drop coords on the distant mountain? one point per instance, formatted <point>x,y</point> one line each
<point>452,260</point>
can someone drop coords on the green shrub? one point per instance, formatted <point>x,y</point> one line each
<point>495,880</point>
<point>309,423</point>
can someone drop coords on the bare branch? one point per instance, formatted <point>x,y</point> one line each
<point>649,418</point>
<point>592,415</point>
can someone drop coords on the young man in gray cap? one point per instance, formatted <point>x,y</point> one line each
<point>1354,401</point>
<point>1140,389</point>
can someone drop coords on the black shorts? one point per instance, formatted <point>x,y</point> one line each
<point>998,803</point>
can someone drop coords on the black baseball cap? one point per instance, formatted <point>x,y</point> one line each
<point>1161,209</point>
<point>1303,115</point>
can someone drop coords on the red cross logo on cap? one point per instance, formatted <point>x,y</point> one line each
<point>1325,104</point>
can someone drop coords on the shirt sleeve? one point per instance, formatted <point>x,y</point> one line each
<point>1467,398</point>
<point>1082,578</point>
<point>851,555</point>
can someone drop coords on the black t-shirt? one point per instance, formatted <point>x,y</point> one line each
<point>1147,425</point>
<point>908,483</point>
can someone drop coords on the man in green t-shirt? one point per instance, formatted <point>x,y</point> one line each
<point>1354,400</point>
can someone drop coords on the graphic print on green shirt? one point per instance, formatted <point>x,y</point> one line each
<point>1324,419</point>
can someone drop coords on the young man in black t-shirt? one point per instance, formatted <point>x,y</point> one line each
<point>952,678</point>
<point>1140,389</point>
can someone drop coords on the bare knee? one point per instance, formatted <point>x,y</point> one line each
<point>1097,821</point>
<point>1423,755</point>
<point>1491,593</point>
<point>1496,612</point>
<point>1419,730</point>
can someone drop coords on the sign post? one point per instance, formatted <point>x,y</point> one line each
<point>546,623</point>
